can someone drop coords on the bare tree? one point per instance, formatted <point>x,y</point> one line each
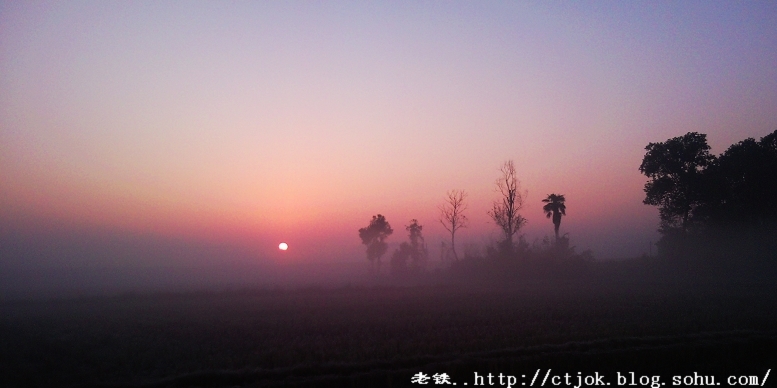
<point>505,211</point>
<point>452,215</point>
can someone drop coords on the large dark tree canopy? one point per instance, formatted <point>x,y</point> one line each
<point>676,182</point>
<point>677,156</point>
<point>729,200</point>
<point>746,183</point>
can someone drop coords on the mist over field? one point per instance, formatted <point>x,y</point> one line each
<point>97,263</point>
<point>57,259</point>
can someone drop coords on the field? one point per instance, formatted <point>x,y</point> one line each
<point>383,335</point>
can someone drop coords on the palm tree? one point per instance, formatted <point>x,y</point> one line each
<point>554,206</point>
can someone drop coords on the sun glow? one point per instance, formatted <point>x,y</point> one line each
<point>283,246</point>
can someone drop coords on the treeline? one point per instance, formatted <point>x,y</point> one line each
<point>710,207</point>
<point>412,256</point>
<point>714,207</point>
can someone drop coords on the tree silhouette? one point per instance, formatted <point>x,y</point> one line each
<point>676,183</point>
<point>555,207</point>
<point>414,252</point>
<point>373,237</point>
<point>714,206</point>
<point>452,215</point>
<point>504,212</point>
<point>747,183</point>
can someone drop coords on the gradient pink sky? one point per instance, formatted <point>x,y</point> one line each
<point>250,123</point>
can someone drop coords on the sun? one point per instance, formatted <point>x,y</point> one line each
<point>283,246</point>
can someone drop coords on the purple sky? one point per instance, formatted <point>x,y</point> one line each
<point>244,124</point>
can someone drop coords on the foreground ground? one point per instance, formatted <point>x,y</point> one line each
<point>385,335</point>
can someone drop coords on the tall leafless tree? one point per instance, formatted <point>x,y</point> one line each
<point>452,215</point>
<point>505,211</point>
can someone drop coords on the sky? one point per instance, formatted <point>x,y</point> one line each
<point>176,133</point>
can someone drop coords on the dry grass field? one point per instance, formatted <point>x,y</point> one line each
<point>383,335</point>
